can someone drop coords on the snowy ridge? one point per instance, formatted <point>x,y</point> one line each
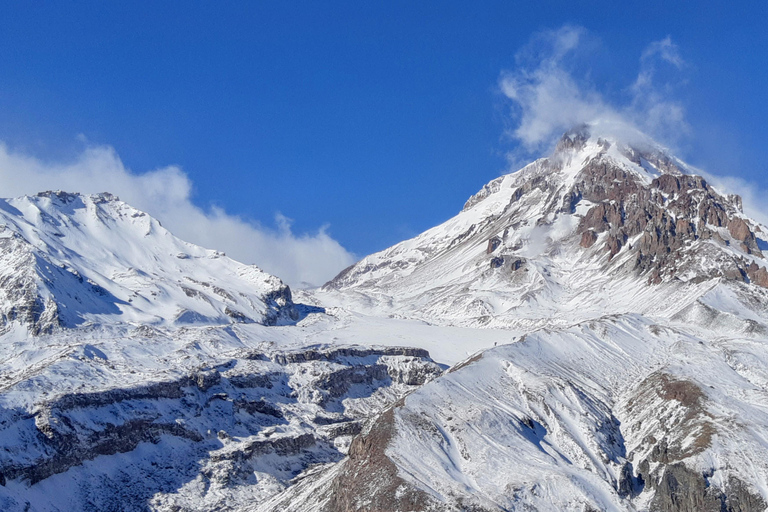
<point>70,259</point>
<point>532,242</point>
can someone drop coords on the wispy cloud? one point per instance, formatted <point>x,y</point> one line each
<point>550,93</point>
<point>299,259</point>
<point>653,107</point>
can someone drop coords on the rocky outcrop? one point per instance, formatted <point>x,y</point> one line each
<point>282,446</point>
<point>337,384</point>
<point>679,427</point>
<point>681,489</point>
<point>70,449</point>
<point>588,238</point>
<point>368,480</point>
<point>250,398</point>
<point>757,274</point>
<point>281,308</point>
<point>670,417</point>
<point>330,354</point>
<point>487,190</point>
<point>573,140</point>
<point>664,217</point>
<point>509,262</point>
<point>19,291</point>
<point>493,244</point>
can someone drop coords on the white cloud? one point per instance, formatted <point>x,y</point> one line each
<point>305,259</point>
<point>550,94</point>
<point>549,97</point>
<point>664,49</point>
<point>652,107</point>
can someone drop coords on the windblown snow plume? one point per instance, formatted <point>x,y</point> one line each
<point>551,93</point>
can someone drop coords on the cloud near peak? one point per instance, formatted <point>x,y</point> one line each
<point>307,259</point>
<point>550,94</point>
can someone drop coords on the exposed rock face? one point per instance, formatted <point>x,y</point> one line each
<point>369,481</point>
<point>280,446</point>
<point>493,244</point>
<point>681,489</point>
<point>758,275</point>
<point>329,354</point>
<point>487,190</point>
<point>280,306</point>
<point>18,288</point>
<point>665,216</point>
<point>255,404</point>
<point>588,238</point>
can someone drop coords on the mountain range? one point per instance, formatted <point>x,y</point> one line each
<point>588,333</point>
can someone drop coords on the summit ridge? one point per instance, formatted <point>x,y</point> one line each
<point>596,208</point>
<point>71,259</point>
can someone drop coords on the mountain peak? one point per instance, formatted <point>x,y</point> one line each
<point>70,259</point>
<point>574,139</point>
<point>600,212</point>
<point>68,197</point>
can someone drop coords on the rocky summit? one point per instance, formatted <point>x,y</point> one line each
<point>588,333</point>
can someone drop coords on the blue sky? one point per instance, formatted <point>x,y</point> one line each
<point>375,119</point>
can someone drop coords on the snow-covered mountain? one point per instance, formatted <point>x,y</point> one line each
<point>588,333</point>
<point>634,373</point>
<point>69,259</point>
<point>138,371</point>
<point>576,235</point>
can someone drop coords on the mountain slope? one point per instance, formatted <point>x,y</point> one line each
<point>578,234</point>
<point>69,259</point>
<point>637,300</point>
<point>619,414</point>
